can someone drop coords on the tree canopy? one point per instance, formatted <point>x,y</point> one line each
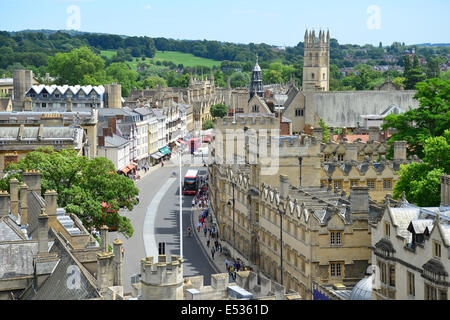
<point>219,110</point>
<point>82,185</point>
<point>430,119</point>
<point>421,181</point>
<point>78,67</point>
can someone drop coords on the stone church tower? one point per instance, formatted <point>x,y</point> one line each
<point>256,86</point>
<point>316,68</point>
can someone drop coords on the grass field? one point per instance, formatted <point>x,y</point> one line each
<point>187,59</point>
<point>108,53</point>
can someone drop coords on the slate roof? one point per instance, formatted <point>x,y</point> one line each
<point>115,141</point>
<point>9,230</point>
<point>55,286</point>
<point>16,258</point>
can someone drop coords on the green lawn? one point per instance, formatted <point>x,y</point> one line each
<point>108,53</point>
<point>187,59</point>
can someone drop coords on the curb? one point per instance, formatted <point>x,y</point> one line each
<point>197,237</point>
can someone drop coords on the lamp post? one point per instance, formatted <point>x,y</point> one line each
<point>300,160</point>
<point>281,245</point>
<point>181,206</point>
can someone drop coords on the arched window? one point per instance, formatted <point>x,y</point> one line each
<point>323,78</point>
<point>312,76</point>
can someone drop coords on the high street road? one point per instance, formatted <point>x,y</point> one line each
<point>156,219</point>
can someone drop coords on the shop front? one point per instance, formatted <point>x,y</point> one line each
<point>156,158</point>
<point>165,152</point>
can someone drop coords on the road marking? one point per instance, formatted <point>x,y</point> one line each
<point>148,230</point>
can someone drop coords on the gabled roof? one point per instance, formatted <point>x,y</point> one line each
<point>10,231</point>
<point>63,89</point>
<point>55,286</point>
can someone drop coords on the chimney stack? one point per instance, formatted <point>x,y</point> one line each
<point>14,190</point>
<point>351,152</point>
<point>374,134</point>
<point>23,204</point>
<point>318,133</point>
<point>42,232</point>
<point>51,205</point>
<point>400,150</point>
<point>118,262</point>
<point>104,237</point>
<point>359,200</point>
<point>4,204</point>
<point>32,178</point>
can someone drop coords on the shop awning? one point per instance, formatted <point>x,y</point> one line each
<point>156,155</point>
<point>128,168</point>
<point>164,150</point>
<point>182,141</point>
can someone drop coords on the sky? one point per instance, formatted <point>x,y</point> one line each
<point>275,22</point>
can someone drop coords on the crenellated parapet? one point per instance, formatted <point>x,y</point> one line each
<point>162,279</point>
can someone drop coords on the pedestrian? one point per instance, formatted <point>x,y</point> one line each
<point>208,240</point>
<point>199,226</point>
<point>204,231</point>
<point>219,246</point>
<point>227,263</point>
<point>212,252</point>
<point>193,202</point>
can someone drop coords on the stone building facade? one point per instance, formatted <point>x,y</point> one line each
<point>325,235</point>
<point>410,250</point>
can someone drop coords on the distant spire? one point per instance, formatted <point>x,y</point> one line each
<point>306,36</point>
<point>328,36</point>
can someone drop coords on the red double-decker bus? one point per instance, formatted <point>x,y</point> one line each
<point>191,182</point>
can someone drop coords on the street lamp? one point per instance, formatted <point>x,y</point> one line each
<point>300,160</point>
<point>181,204</point>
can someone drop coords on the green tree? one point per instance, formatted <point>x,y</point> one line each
<point>153,82</point>
<point>219,110</point>
<point>432,69</point>
<point>421,181</point>
<point>208,124</point>
<point>82,185</point>
<point>413,74</point>
<point>120,72</point>
<point>78,67</point>
<point>325,131</point>
<point>272,76</point>
<point>239,79</point>
<point>430,119</point>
